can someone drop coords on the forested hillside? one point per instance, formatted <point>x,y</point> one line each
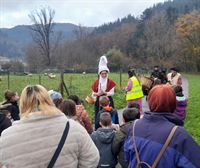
<point>167,34</point>
<point>14,41</point>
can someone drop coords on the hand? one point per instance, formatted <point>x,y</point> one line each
<point>115,126</point>
<point>102,93</point>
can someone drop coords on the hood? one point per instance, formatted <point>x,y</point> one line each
<point>124,127</point>
<point>105,135</point>
<point>168,116</point>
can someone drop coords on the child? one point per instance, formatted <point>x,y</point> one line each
<point>68,107</point>
<point>105,104</point>
<point>56,97</point>
<point>11,99</point>
<point>82,114</point>
<point>134,105</point>
<point>103,138</point>
<point>129,115</point>
<point>181,103</point>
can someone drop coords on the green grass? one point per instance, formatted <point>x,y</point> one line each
<point>80,85</point>
<point>192,123</point>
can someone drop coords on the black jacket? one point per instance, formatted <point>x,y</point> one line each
<point>4,122</point>
<point>13,109</point>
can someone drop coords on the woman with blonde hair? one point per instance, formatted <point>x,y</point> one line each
<point>44,137</point>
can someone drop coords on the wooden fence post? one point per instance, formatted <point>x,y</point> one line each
<point>40,79</point>
<point>62,84</point>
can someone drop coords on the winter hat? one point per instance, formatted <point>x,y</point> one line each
<point>103,64</point>
<point>162,98</point>
<point>54,95</point>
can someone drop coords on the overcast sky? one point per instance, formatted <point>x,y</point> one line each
<point>84,12</point>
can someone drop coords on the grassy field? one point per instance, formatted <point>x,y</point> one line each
<point>192,123</point>
<point>80,85</point>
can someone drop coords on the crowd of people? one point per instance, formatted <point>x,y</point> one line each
<point>46,130</point>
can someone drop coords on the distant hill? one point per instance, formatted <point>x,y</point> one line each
<point>14,40</point>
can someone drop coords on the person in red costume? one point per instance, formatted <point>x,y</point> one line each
<point>103,86</point>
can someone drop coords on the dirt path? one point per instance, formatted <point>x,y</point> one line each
<point>145,106</point>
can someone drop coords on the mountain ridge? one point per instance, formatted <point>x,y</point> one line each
<point>14,40</point>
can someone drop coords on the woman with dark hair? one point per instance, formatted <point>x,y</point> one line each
<point>11,99</point>
<point>134,90</point>
<point>156,140</point>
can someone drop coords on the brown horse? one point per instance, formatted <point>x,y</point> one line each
<point>148,83</point>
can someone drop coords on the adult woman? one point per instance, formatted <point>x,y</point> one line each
<point>149,134</point>
<point>103,86</point>
<point>32,141</point>
<point>134,90</point>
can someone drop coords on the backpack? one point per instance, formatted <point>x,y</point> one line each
<point>141,164</point>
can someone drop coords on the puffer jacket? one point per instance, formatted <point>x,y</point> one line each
<point>103,138</point>
<point>31,143</point>
<point>151,133</point>
<point>181,104</point>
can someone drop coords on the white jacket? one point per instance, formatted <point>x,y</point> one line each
<point>31,143</point>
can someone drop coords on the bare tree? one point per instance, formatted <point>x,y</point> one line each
<point>43,28</point>
<point>34,62</point>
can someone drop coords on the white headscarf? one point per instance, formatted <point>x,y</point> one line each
<point>103,67</point>
<point>103,64</point>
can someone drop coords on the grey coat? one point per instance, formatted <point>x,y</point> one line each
<point>103,138</point>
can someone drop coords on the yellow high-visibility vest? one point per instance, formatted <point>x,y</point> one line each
<point>136,91</point>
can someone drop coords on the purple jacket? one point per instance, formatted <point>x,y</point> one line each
<point>151,133</point>
<point>181,104</point>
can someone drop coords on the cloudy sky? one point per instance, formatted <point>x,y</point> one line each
<point>84,12</point>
